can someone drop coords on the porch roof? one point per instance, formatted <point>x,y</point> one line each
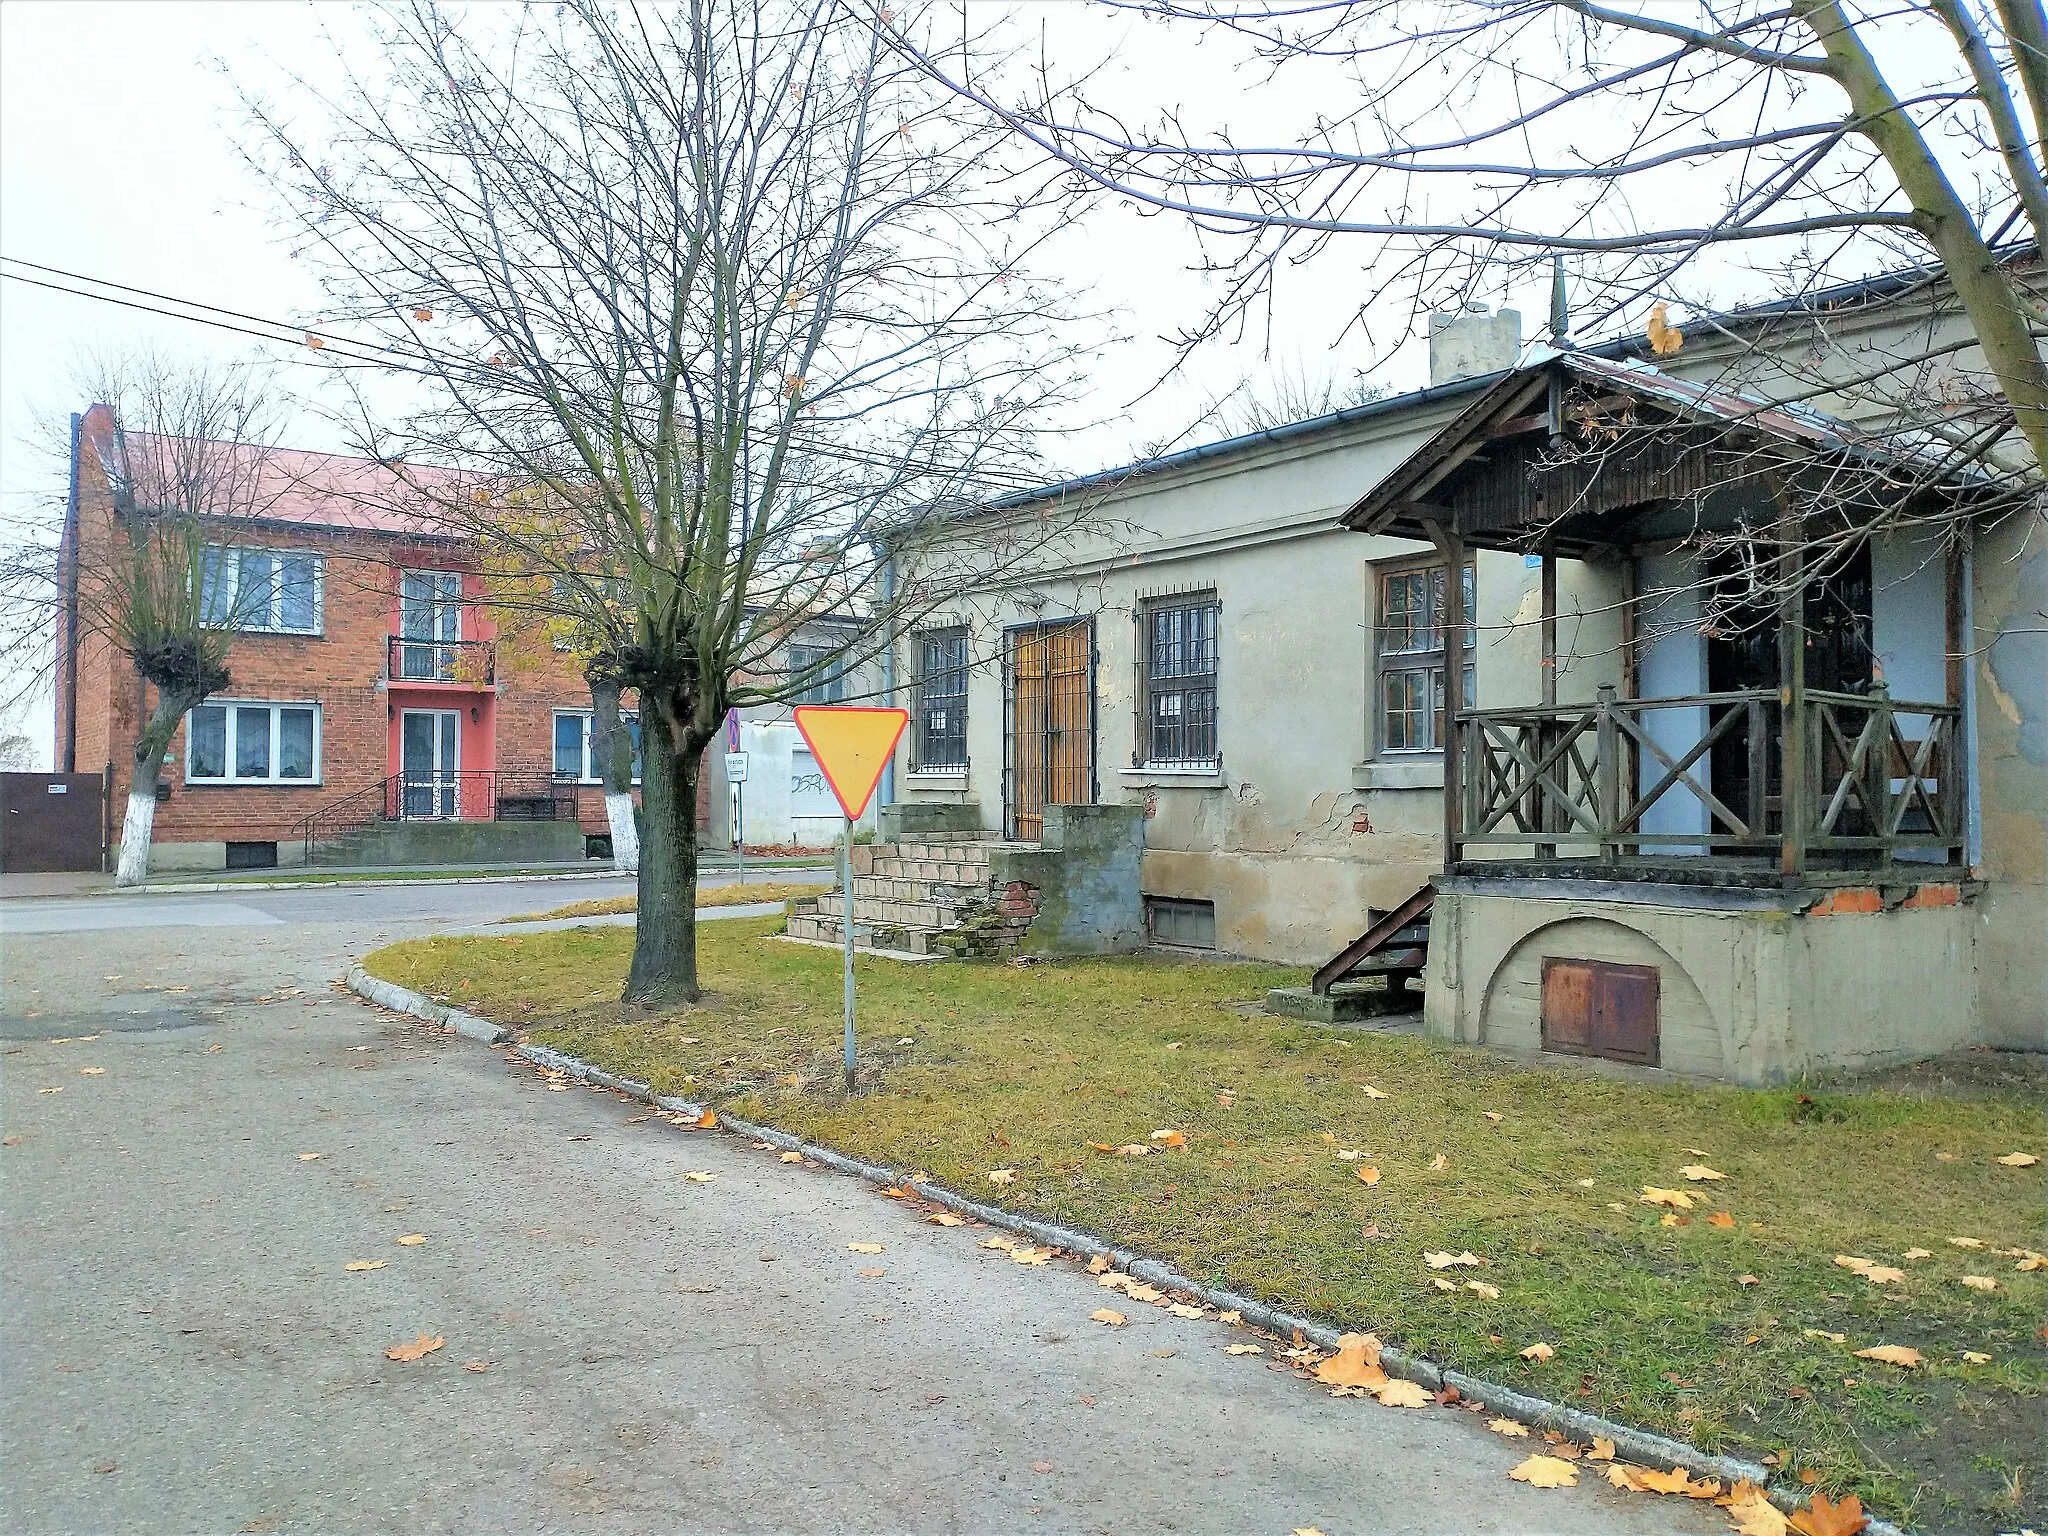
<point>1575,448</point>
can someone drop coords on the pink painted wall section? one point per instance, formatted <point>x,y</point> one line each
<point>476,738</point>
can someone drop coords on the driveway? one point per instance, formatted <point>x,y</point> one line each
<point>183,1349</point>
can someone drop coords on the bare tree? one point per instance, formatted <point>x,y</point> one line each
<point>183,449</point>
<point>1657,147</point>
<point>717,297</point>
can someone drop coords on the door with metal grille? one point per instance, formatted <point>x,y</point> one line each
<point>1049,733</point>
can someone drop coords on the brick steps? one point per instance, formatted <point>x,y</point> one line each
<point>928,895</point>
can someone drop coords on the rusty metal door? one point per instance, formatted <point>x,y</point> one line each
<point>1049,727</point>
<point>51,821</point>
<point>1600,1008</point>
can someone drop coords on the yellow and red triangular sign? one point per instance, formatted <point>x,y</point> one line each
<point>852,746</point>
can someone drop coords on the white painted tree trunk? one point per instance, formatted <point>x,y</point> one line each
<point>618,810</point>
<point>136,827</point>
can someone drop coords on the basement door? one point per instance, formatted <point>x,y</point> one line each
<point>1049,726</point>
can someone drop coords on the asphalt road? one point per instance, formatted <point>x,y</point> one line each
<point>182,1349</point>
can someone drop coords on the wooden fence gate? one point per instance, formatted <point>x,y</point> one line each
<point>1049,728</point>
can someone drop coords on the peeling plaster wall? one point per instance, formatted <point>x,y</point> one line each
<point>2009,603</point>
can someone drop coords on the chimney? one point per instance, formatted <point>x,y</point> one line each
<point>1470,342</point>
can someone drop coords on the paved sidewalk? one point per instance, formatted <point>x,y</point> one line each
<point>182,1348</point>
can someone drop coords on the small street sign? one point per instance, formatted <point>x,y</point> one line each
<point>735,767</point>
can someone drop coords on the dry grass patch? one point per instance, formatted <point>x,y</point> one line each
<point>1711,1321</point>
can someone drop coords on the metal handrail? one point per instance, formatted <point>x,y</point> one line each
<point>425,659</point>
<point>478,795</point>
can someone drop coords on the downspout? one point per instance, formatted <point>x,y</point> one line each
<point>70,579</point>
<point>889,669</point>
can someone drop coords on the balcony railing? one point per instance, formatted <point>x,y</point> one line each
<point>471,663</point>
<point>1867,778</point>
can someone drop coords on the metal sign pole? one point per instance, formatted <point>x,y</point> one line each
<point>846,935</point>
<point>739,816</point>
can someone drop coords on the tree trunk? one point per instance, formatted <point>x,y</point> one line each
<point>613,744</point>
<point>664,970</point>
<point>139,824</point>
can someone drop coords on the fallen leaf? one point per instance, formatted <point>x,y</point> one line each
<point>708,1121</point>
<point>1099,1265</point>
<point>417,1349</point>
<point>1449,1260</point>
<point>1041,1466</point>
<point>1232,1318</point>
<point>1356,1363</point>
<point>1003,1176</point>
<point>1400,1393</point>
<point>792,1157</point>
<point>1603,1449</point>
<point>1226,1099</point>
<point>1752,1511</point>
<point>1254,1349</point>
<point>1481,1288</point>
<point>1678,1482</point>
<point>1309,1530</point>
<point>1746,1280</point>
<point>1673,1219</point>
<point>1442,1284</point>
<point>92,1071</point>
<point>947,1219</point>
<point>1585,1183</point>
<point>1695,1151</point>
<point>1892,1354</point>
<point>1721,1219</point>
<point>1372,1092</point>
<point>1974,1357</point>
<point>479,1366</point>
<point>1509,1427</point>
<point>10,1141</point>
<point>1439,1163</point>
<point>49,1090</point>
<point>1371,1231</point>
<point>1493,1115</point>
<point>1919,1253</point>
<point>864,1247</point>
<point>1538,1352</point>
<point>1170,1138</point>
<point>1181,1309</point>
<point>1161,1354</point>
<point>1111,1318</point>
<point>1980,1282</point>
<point>1967,1242</point>
<point>1822,1333</point>
<point>1673,1197</point>
<point>1624,1476</point>
<point>1700,1172</point>
<point>2032,1261</point>
<point>1822,1517</point>
<point>1368,1175</point>
<point>699,1176</point>
<point>999,1241</point>
<point>309,1157</point>
<point>2017,1160</point>
<point>411,1239</point>
<point>1546,1472</point>
<point>358,1266</point>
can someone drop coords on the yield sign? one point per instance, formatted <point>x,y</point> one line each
<point>852,746</point>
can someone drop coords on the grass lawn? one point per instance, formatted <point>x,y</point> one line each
<point>1712,1330</point>
<point>707,896</point>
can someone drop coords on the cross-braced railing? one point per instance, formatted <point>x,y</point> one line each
<point>1706,773</point>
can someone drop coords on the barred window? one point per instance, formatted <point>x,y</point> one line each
<point>1179,695</point>
<point>1411,656</point>
<point>942,699</point>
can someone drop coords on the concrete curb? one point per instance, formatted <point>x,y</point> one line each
<point>1637,1445</point>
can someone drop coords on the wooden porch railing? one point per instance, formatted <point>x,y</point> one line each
<point>1883,777</point>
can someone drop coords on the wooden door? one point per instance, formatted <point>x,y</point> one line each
<point>1051,726</point>
<point>1599,1008</point>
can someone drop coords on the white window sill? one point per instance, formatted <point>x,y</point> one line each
<point>1423,771</point>
<point>935,778</point>
<point>1174,776</point>
<point>255,784</point>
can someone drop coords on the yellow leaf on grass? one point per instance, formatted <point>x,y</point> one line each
<point>412,1239</point>
<point>1975,1357</point>
<point>1449,1260</point>
<point>1919,1253</point>
<point>1603,1449</point>
<point>1170,1138</point>
<point>1700,1172</point>
<point>418,1349</point>
<point>1721,1219</point>
<point>2017,1160</point>
<point>1442,1284</point>
<point>1870,1269</point>
<point>2031,1261</point>
<point>1538,1352</point>
<point>358,1266</point>
<point>1967,1242</point>
<point>1368,1175</point>
<point>1546,1472</point>
<point>864,1247</point>
<point>1372,1092</point>
<point>1356,1363</point>
<point>1481,1288</point>
<point>1892,1354</point>
<point>1439,1163</point>
<point>699,1176</point>
<point>1003,1176</point>
<point>1400,1393</point>
<point>1652,1195</point>
<point>1110,1318</point>
<point>1980,1282</point>
<point>1254,1349</point>
<point>1822,1333</point>
<point>1508,1427</point>
<point>1493,1115</point>
<point>1753,1513</point>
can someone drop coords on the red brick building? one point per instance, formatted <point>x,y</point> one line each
<point>373,714</point>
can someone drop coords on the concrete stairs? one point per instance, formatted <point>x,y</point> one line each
<point>932,894</point>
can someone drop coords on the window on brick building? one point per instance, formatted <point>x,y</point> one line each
<point>579,754</point>
<point>261,591</point>
<point>237,741</point>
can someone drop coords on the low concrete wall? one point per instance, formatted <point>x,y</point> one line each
<point>921,818</point>
<point>462,842</point>
<point>1085,871</point>
<point>1755,987</point>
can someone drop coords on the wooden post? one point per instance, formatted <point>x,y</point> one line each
<point>1609,743</point>
<point>1795,792</point>
<point>1631,660</point>
<point>1547,816</point>
<point>1452,547</point>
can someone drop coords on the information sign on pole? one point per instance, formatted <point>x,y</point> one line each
<point>851,746</point>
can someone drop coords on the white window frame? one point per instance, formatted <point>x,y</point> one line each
<point>271,622</point>
<point>230,779</point>
<point>589,719</point>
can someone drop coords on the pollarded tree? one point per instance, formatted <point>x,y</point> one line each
<point>728,291</point>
